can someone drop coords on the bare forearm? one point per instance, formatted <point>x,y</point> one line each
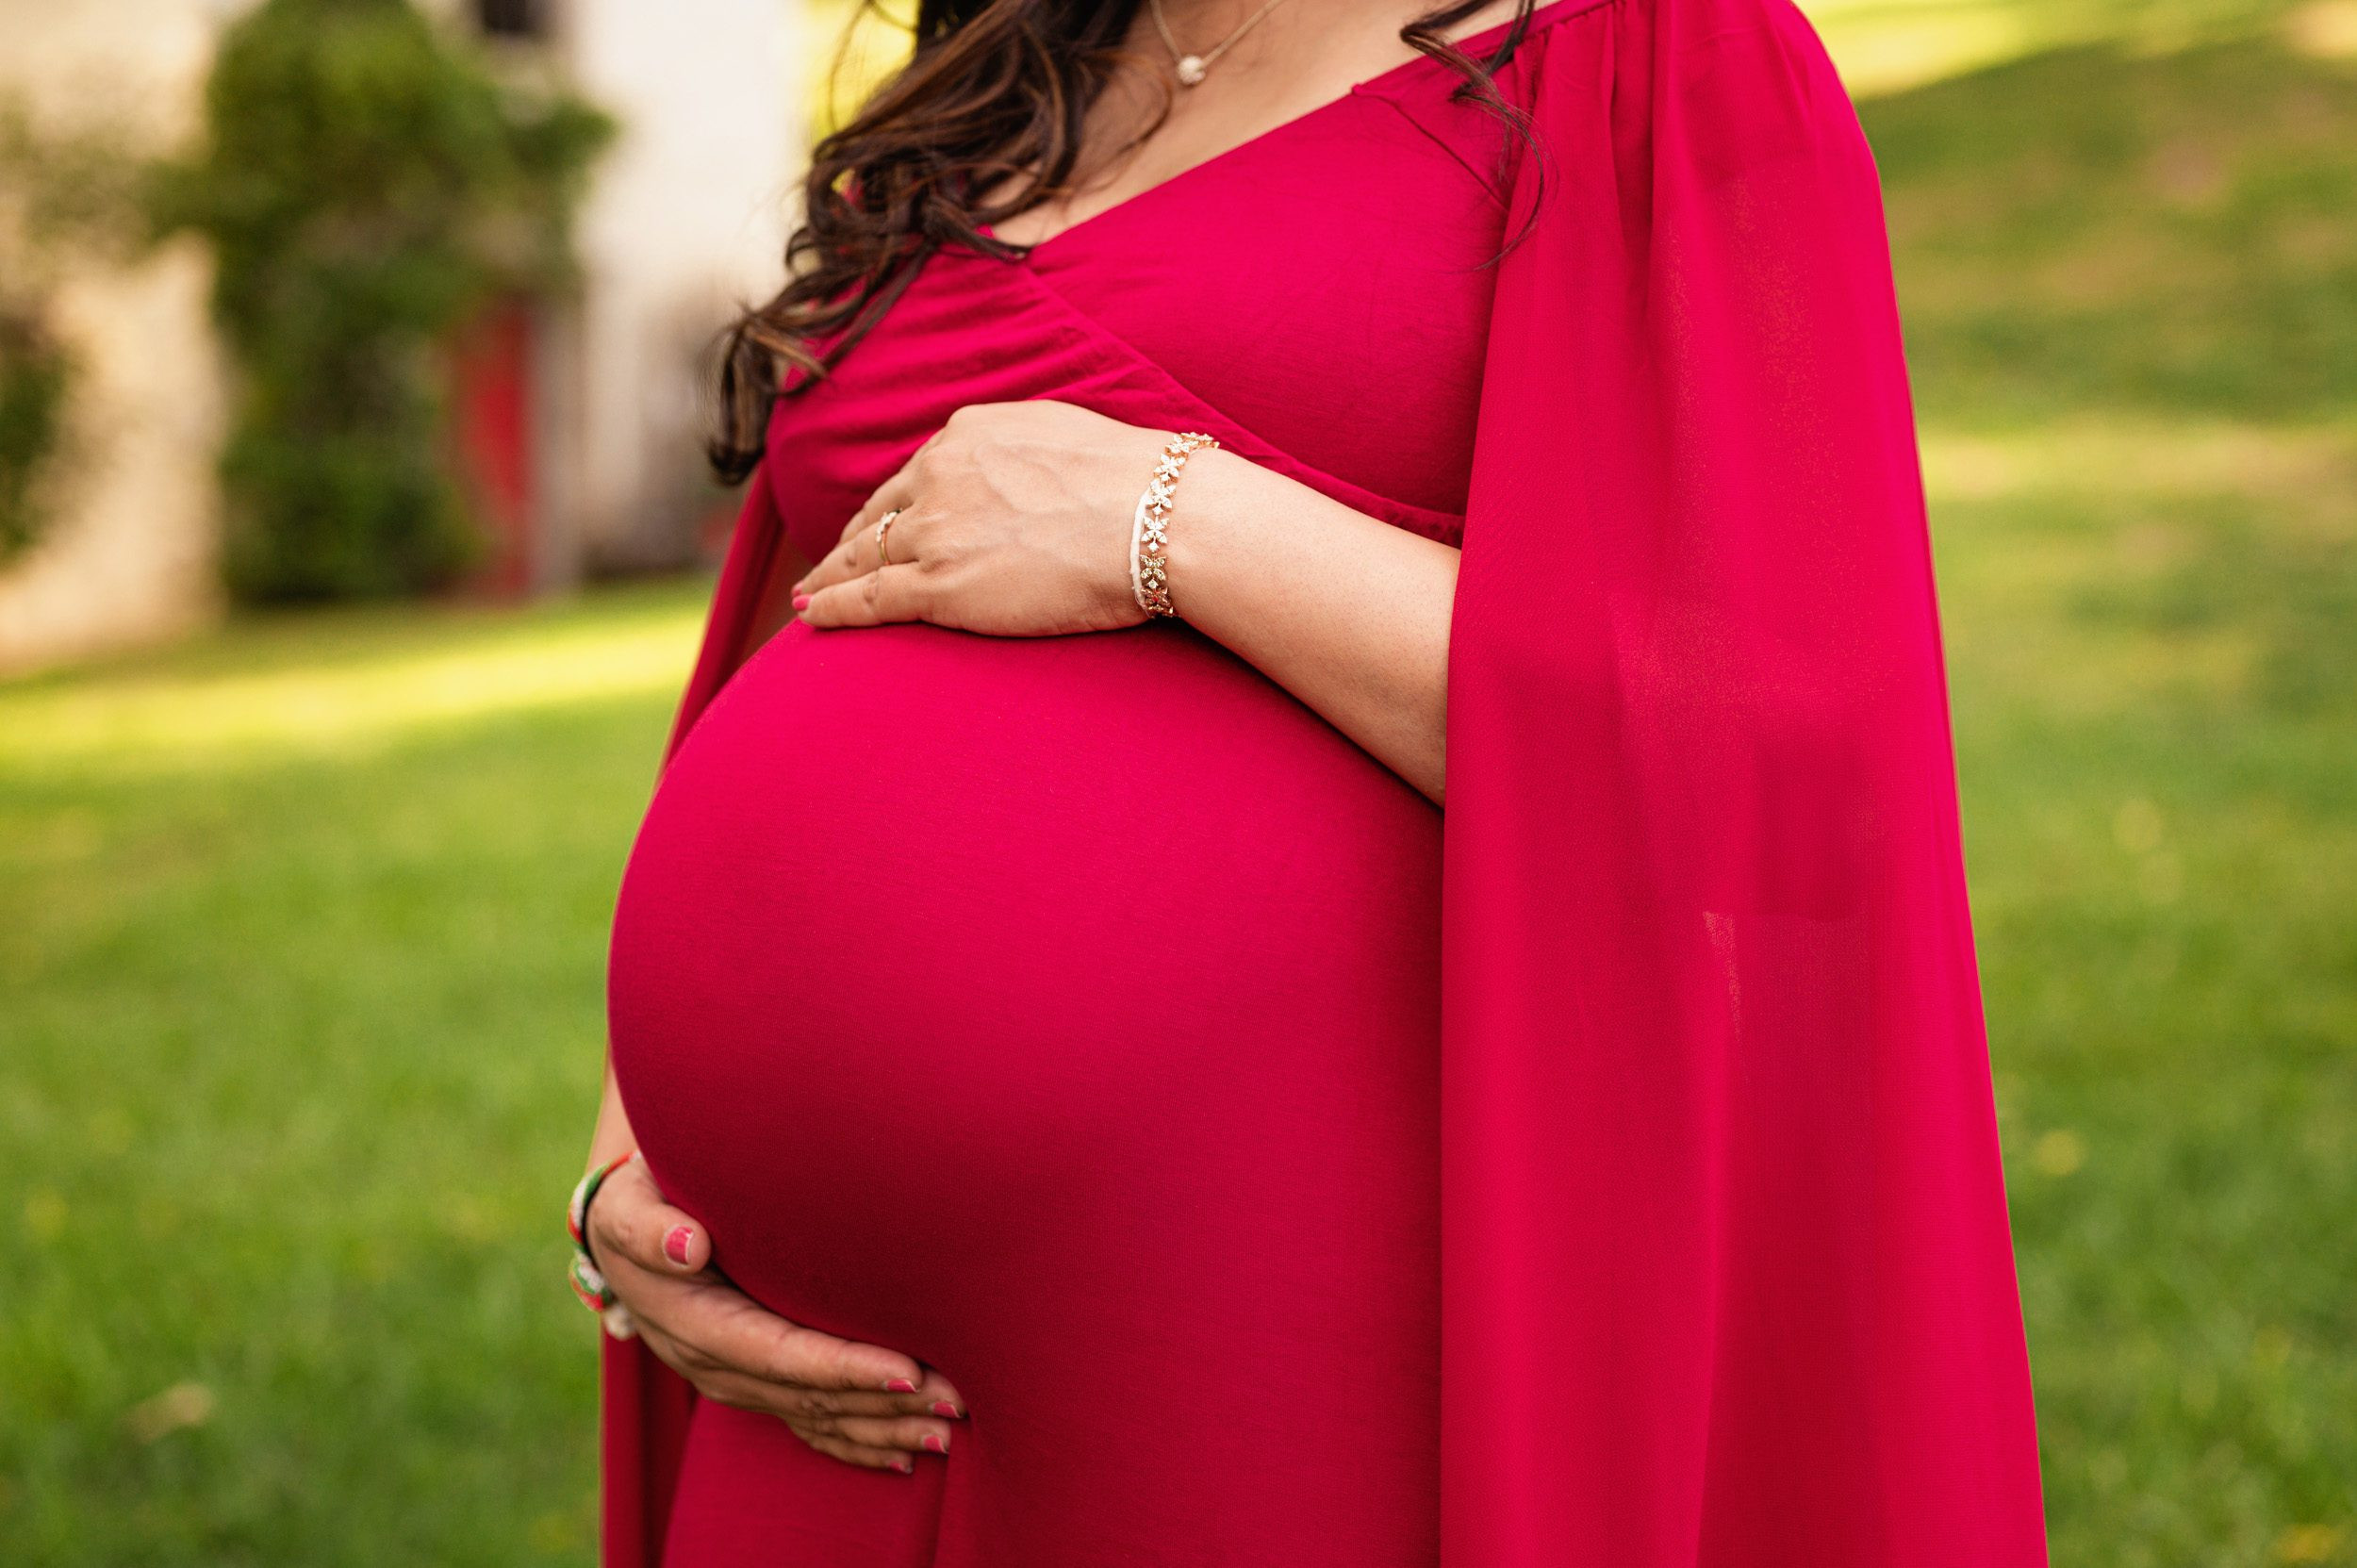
<point>613,1135</point>
<point>1348,613</point>
<point>1013,517</point>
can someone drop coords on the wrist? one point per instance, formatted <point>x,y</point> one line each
<point>588,1279</point>
<point>1217,497</point>
<point>1156,511</point>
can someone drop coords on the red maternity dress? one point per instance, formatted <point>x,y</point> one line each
<point>1609,1180</point>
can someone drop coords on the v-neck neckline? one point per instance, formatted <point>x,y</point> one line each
<point>1475,45</point>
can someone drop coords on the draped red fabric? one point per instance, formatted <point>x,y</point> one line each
<point>1726,1271</point>
<point>643,1405</point>
<point>1726,1275</point>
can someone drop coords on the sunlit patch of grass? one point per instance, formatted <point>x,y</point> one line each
<point>1882,46</point>
<point>2139,534</point>
<point>2308,472</point>
<point>1889,46</point>
<point>372,692</point>
<point>2325,29</point>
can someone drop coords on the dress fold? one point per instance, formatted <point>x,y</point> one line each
<point>1726,1270</point>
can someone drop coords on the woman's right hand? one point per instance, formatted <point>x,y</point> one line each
<point>859,1403</point>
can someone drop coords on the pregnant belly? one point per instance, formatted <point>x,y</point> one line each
<point>1044,1008</point>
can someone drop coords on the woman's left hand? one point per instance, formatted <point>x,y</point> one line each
<point>1014,520</point>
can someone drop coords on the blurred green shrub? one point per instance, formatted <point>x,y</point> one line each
<point>34,374</point>
<point>67,201</point>
<point>366,184</point>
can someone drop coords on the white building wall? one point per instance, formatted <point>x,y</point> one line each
<point>129,555</point>
<point>687,223</point>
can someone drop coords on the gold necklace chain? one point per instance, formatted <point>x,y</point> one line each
<point>1194,68</point>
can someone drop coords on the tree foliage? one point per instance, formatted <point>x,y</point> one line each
<point>67,201</point>
<point>367,183</point>
<point>35,376</point>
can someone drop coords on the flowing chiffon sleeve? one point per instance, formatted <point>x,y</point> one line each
<point>1726,1271</point>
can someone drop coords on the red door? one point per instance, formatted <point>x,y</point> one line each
<point>492,407</point>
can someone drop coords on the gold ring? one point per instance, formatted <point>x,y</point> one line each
<point>883,525</point>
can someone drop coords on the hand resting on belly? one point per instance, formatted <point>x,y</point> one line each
<point>860,1403</point>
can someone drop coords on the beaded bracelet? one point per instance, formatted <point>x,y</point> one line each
<point>587,1283</point>
<point>1149,566</point>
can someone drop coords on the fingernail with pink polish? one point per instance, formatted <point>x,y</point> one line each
<point>675,1241</point>
<point>905,1466</point>
<point>802,602</point>
<point>937,1443</point>
<point>942,1407</point>
<point>900,1385</point>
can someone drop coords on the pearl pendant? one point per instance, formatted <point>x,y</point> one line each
<point>1191,70</point>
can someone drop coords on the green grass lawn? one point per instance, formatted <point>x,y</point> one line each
<point>302,925</point>
<point>301,966</point>
<point>2129,282</point>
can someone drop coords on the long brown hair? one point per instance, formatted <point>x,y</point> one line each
<point>994,89</point>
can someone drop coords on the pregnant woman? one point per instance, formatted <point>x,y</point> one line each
<point>1306,911</point>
